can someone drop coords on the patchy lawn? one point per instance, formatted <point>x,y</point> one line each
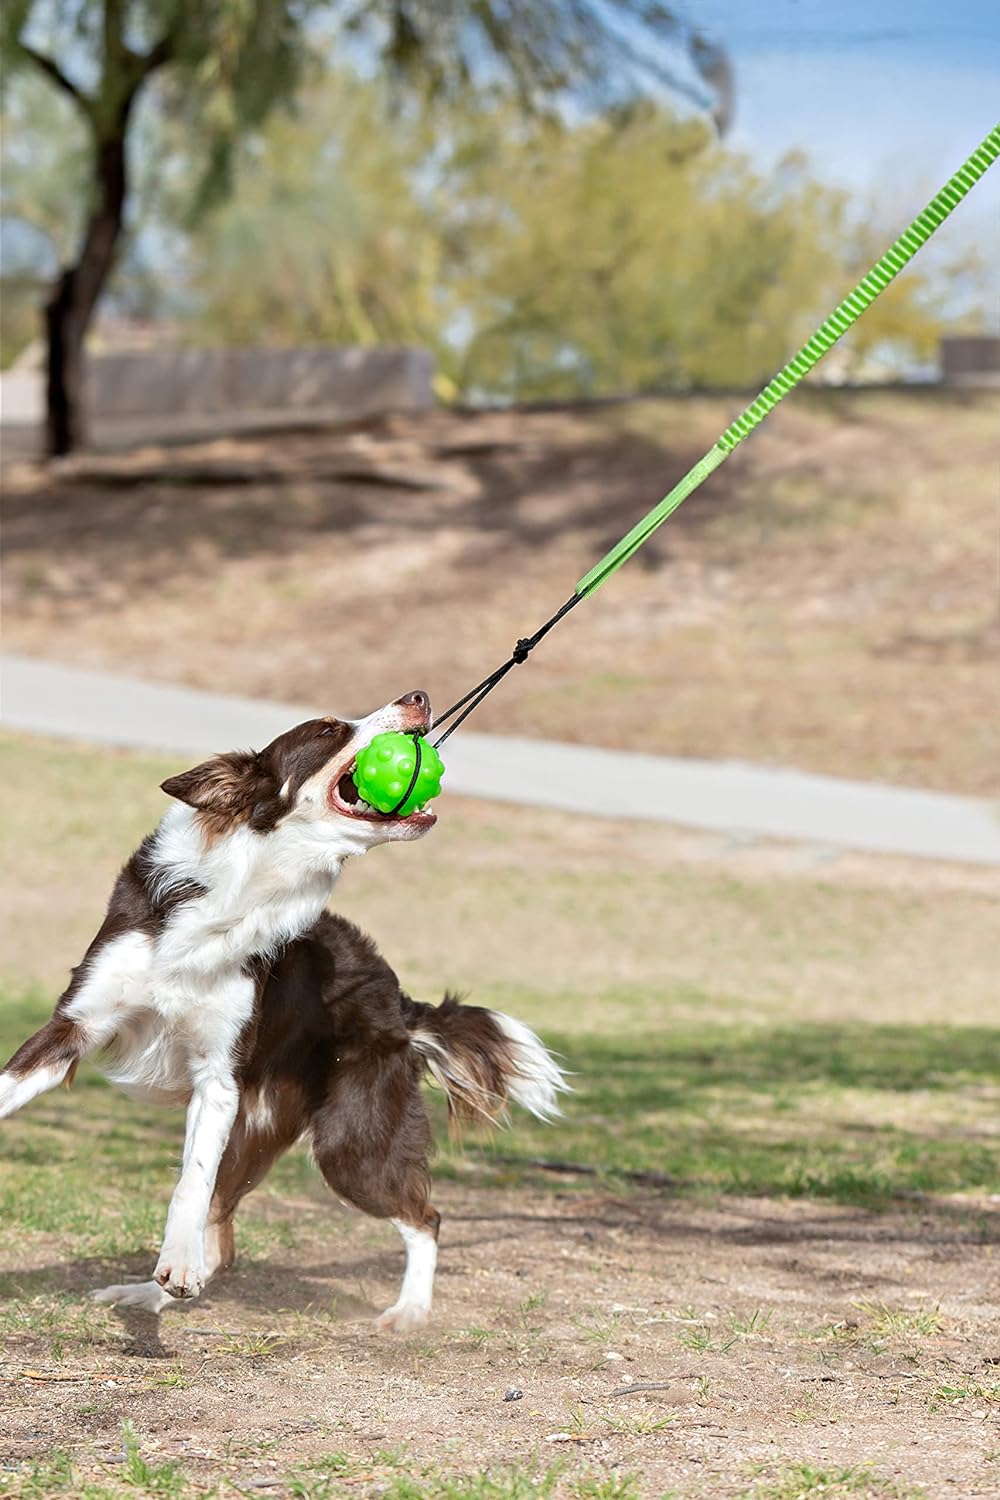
<point>797,1303</point>
<point>828,600</point>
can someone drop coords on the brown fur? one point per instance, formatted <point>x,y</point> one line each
<point>333,1049</point>
<point>244,786</point>
<point>330,1053</point>
<point>58,1041</point>
<point>479,1058</point>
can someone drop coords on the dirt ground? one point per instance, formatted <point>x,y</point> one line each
<point>828,600</point>
<point>680,1340</point>
<point>694,1346</point>
<point>805,1306</point>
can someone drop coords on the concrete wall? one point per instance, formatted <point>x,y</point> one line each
<point>169,395</point>
<point>354,382</point>
<point>971,359</point>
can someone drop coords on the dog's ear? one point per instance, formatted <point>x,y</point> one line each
<point>211,784</point>
<point>226,789</point>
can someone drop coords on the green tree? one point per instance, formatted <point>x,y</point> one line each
<point>325,237</point>
<point>633,253</point>
<point>541,258</point>
<point>231,64</point>
<point>224,65</point>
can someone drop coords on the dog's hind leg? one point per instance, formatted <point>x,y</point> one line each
<point>412,1307</point>
<point>252,1150</point>
<point>370,1140</point>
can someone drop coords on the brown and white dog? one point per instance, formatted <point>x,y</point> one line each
<point>218,980</point>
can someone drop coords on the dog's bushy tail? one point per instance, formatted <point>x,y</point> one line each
<point>482,1059</point>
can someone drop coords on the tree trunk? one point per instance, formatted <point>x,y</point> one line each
<point>71,307</point>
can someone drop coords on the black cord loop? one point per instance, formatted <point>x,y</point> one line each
<point>413,779</point>
<point>517,658</point>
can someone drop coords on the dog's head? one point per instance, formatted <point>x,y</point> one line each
<point>305,777</point>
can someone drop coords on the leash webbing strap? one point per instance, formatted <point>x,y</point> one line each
<point>885,270</point>
<point>836,325</point>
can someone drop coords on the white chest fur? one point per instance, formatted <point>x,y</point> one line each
<point>174,1007</point>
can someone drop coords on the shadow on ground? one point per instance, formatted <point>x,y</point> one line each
<point>144,518</point>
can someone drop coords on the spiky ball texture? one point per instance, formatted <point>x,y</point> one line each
<point>384,769</point>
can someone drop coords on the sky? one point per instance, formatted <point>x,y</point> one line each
<point>887,96</point>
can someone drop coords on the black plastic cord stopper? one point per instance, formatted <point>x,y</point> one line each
<point>517,658</point>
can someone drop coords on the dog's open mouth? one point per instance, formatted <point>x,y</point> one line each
<point>346,798</point>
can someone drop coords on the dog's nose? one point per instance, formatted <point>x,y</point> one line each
<point>416,700</point>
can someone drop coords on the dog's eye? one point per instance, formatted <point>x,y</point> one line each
<point>329,729</point>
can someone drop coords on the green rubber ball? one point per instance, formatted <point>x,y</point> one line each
<point>384,770</point>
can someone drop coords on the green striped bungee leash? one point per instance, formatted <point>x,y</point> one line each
<point>833,328</point>
<point>884,271</point>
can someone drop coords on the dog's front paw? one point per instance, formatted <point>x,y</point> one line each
<point>181,1273</point>
<point>404,1317</point>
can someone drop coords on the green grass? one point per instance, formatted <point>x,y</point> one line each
<point>857,1113</point>
<point>252,1345</point>
<point>979,1393</point>
<point>753,1327</point>
<point>389,1473</point>
<point>395,1477</point>
<point>166,1479</point>
<point>134,1478</point>
<point>804,1481</point>
<point>512,1484</point>
<point>601,1330</point>
<point>884,1323</point>
<point>700,1339</point>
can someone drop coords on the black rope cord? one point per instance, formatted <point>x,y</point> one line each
<point>475,696</point>
<point>413,778</point>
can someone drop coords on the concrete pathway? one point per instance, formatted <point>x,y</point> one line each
<point>724,796</point>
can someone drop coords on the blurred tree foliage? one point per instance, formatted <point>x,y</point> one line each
<point>222,66</point>
<point>227,64</point>
<point>42,177</point>
<point>328,236</point>
<point>44,198</point>
<point>626,253</point>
